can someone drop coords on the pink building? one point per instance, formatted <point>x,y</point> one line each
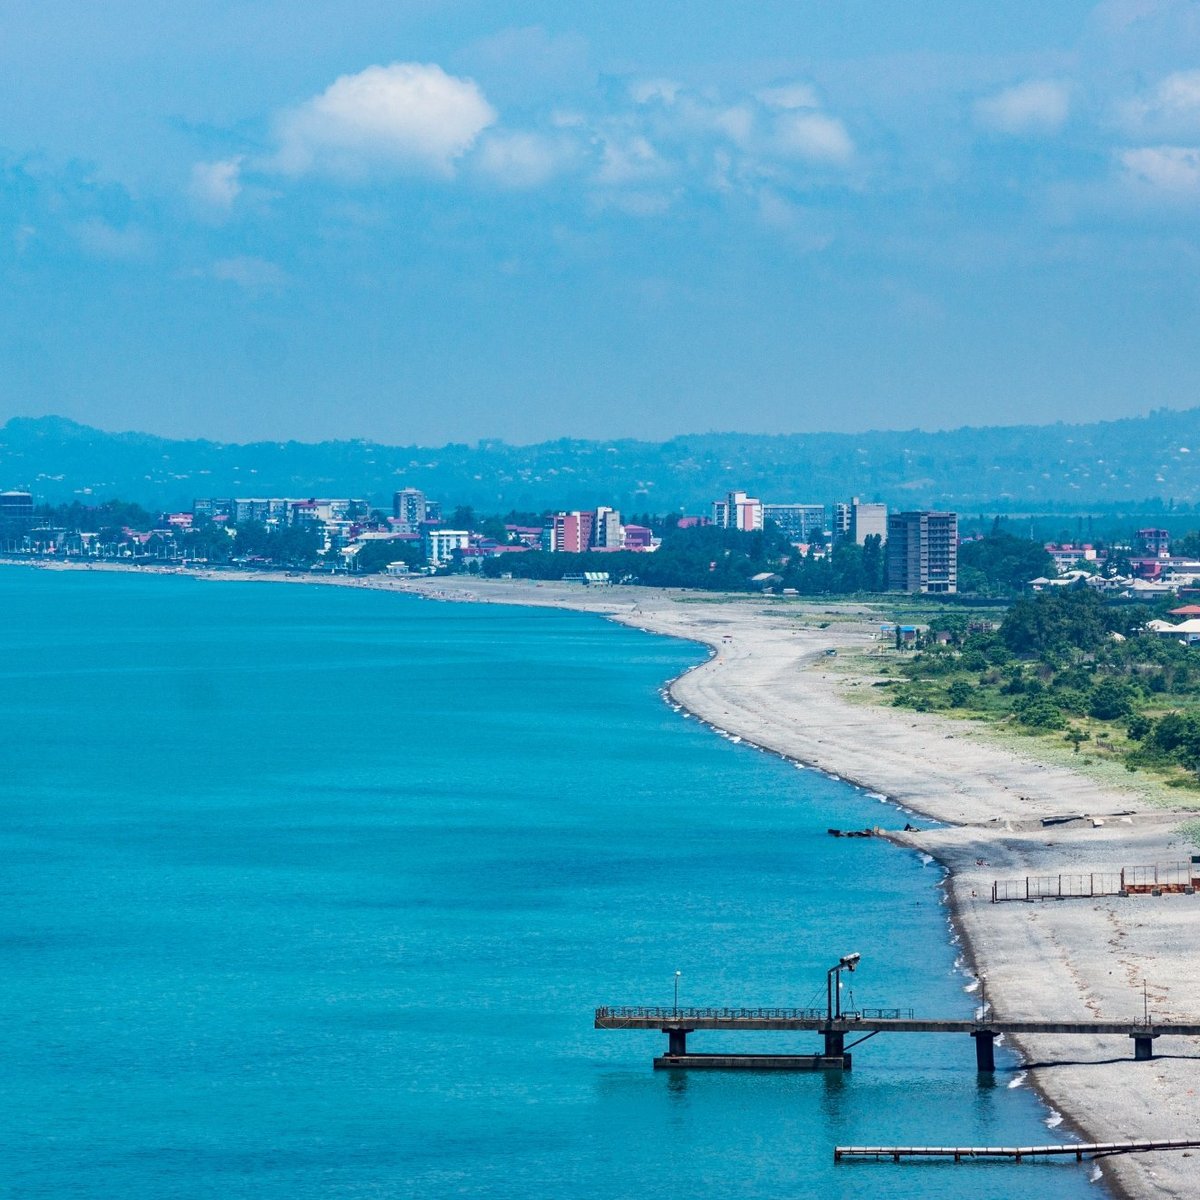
<point>572,532</point>
<point>638,537</point>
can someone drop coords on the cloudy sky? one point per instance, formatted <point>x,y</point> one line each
<point>432,220</point>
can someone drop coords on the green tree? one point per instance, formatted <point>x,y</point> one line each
<point>1001,565</point>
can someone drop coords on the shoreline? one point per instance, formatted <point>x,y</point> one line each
<point>1086,958</point>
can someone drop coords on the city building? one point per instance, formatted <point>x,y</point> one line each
<point>797,522</point>
<point>16,519</point>
<point>839,525</point>
<point>410,508</point>
<point>440,544</point>
<point>1154,543</point>
<point>867,520</point>
<point>922,552</point>
<point>606,530</point>
<point>571,532</point>
<point>1067,555</point>
<point>639,537</point>
<point>738,511</point>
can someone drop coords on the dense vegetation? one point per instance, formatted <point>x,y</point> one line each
<point>1067,664</point>
<point>714,560</point>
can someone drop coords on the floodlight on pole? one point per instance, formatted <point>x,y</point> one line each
<point>834,993</point>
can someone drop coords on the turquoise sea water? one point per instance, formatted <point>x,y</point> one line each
<point>310,892</point>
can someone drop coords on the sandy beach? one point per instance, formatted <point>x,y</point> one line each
<point>771,681</point>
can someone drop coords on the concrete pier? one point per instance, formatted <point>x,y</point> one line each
<point>753,1062</point>
<point>677,1023</point>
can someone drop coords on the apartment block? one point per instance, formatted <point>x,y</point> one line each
<point>738,511</point>
<point>922,552</point>
<point>797,522</point>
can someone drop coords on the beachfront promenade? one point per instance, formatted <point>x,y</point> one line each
<point>677,1023</point>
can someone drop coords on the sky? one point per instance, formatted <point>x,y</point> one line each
<point>422,221</point>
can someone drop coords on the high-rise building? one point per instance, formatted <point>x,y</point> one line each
<point>867,520</point>
<point>840,525</point>
<point>16,518</point>
<point>797,522</point>
<point>411,509</point>
<point>571,532</point>
<point>606,529</point>
<point>922,552</point>
<point>738,511</point>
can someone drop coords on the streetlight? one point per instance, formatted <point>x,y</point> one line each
<point>677,975</point>
<point>846,963</point>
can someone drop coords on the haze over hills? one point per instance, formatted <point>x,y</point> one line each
<point>1103,466</point>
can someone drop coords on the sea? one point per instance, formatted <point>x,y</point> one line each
<point>312,892</point>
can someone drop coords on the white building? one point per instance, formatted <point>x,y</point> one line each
<point>738,511</point>
<point>440,544</point>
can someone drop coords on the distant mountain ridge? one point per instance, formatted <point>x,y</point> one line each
<point>1105,465</point>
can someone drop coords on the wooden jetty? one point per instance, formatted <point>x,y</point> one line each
<point>1018,1153</point>
<point>678,1022</point>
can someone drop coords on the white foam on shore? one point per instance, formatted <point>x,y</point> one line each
<point>1018,1080</point>
<point>1054,1120</point>
<point>1096,1174</point>
<point>926,859</point>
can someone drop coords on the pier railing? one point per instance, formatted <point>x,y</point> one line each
<point>671,1013</point>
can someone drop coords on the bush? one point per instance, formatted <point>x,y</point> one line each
<point>1039,712</point>
<point>1112,699</point>
<point>1139,727</point>
<point>959,693</point>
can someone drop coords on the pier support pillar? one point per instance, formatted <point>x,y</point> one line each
<point>676,1042</point>
<point>1143,1046</point>
<point>835,1043</point>
<point>985,1050</point>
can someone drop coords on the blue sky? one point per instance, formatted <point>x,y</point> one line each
<point>427,220</point>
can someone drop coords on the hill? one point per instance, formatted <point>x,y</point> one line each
<point>1126,465</point>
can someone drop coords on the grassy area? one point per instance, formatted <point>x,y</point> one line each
<point>991,702</point>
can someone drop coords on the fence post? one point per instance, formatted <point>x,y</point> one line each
<point>1026,887</point>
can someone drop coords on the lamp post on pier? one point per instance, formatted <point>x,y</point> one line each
<point>833,983</point>
<point>677,975</point>
<point>835,1039</point>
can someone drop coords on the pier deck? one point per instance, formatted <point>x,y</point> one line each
<point>677,1023</point>
<point>1077,1150</point>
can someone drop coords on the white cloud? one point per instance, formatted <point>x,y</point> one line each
<point>250,273</point>
<point>633,160</point>
<point>813,136</point>
<point>796,224</point>
<point>523,160</point>
<point>791,95</point>
<point>647,91</point>
<point>216,185</point>
<point>406,116</point>
<point>736,123</point>
<point>1037,106</point>
<point>101,240</point>
<point>1173,170</point>
<point>1171,107</point>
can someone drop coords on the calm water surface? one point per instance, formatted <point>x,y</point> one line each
<point>310,892</point>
